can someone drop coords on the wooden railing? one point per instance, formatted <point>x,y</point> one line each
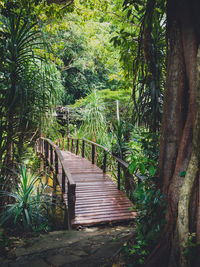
<point>54,159</point>
<point>73,144</point>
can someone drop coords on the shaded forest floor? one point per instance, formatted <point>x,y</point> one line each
<point>87,247</point>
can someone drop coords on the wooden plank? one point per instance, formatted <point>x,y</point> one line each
<point>97,198</point>
<point>109,210</point>
<point>103,201</point>
<point>101,196</point>
<point>102,206</point>
<point>97,183</point>
<point>105,215</point>
<point>110,206</point>
<point>100,187</point>
<point>93,191</point>
<point>102,220</point>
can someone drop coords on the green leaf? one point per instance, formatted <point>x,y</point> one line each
<point>152,170</point>
<point>132,167</point>
<point>142,168</point>
<point>182,174</point>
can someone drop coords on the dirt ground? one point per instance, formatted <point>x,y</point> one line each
<point>85,247</point>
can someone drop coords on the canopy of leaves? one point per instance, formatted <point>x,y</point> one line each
<point>84,54</point>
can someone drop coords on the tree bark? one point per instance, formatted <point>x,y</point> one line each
<point>180,135</point>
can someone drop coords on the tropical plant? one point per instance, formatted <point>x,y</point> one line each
<point>121,133</point>
<point>94,126</point>
<point>27,88</point>
<point>143,50</point>
<point>109,99</point>
<point>150,206</point>
<point>28,204</point>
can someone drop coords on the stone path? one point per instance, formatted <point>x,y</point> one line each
<point>87,247</point>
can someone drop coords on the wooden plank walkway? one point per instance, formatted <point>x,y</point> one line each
<point>97,198</point>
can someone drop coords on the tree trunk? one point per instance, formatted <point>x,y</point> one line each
<point>179,136</point>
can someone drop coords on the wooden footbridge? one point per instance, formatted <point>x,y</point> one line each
<point>90,194</point>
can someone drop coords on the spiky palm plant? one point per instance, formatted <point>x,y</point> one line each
<point>26,88</point>
<point>17,42</point>
<point>29,203</point>
<point>95,125</point>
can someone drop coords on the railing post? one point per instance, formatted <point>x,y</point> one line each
<point>83,149</point>
<point>63,144</point>
<point>77,146</point>
<point>104,161</point>
<point>43,147</point>
<point>71,201</point>
<point>36,146</point>
<point>68,140</point>
<point>46,152</point>
<point>54,195</point>
<point>56,163</point>
<point>63,180</point>
<point>39,145</point>
<point>72,147</point>
<point>51,155</point>
<point>118,175</point>
<point>93,153</point>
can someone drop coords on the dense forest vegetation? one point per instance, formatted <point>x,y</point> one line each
<point>125,74</point>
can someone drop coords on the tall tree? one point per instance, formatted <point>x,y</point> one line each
<point>179,150</point>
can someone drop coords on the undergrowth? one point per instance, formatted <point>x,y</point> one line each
<point>150,206</point>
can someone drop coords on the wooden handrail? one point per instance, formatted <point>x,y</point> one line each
<point>46,147</point>
<point>93,145</point>
<point>59,154</point>
<point>121,161</point>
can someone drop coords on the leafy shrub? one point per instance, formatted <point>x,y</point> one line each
<point>147,198</point>
<point>150,206</point>
<point>28,205</point>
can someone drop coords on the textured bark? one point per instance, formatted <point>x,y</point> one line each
<point>177,139</point>
<point>173,113</point>
<point>192,170</point>
<point>183,207</point>
<point>198,212</point>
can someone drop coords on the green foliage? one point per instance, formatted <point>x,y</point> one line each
<point>182,174</point>
<point>108,99</point>
<point>94,125</point>
<point>28,208</point>
<point>120,131</point>
<point>142,47</point>
<point>28,85</point>
<point>36,8</point>
<point>150,206</point>
<point>142,165</point>
<point>83,54</point>
<point>192,247</point>
<point>144,143</point>
<point>149,202</point>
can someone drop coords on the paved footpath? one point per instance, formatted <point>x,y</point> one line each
<point>88,247</point>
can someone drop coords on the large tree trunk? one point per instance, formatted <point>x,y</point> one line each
<point>178,152</point>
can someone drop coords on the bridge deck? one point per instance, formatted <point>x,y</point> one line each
<point>97,198</point>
